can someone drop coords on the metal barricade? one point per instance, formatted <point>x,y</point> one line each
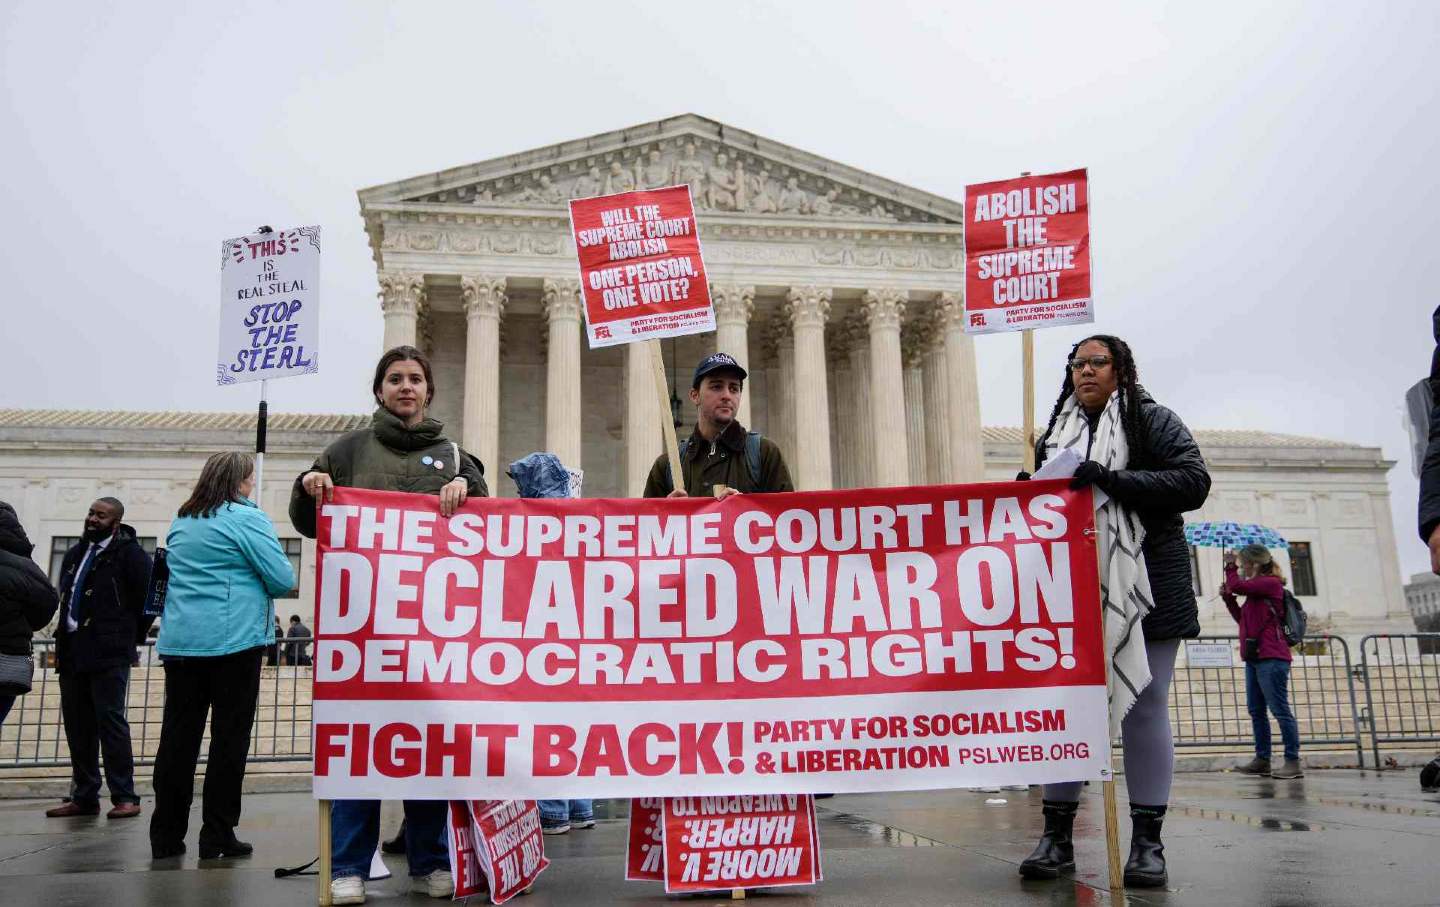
<point>1402,688</point>
<point>1208,704</point>
<point>33,734</point>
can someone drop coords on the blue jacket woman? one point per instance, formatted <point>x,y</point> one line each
<point>226,565</point>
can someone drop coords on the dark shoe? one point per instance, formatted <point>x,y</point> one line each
<point>1146,866</point>
<point>231,848</point>
<point>164,850</point>
<point>66,810</point>
<point>395,845</point>
<point>1056,851</point>
<point>1256,766</point>
<point>123,811</point>
<point>1288,770</point>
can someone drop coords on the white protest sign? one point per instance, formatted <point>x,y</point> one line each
<point>269,306</point>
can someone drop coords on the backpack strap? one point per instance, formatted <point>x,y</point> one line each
<point>752,458</point>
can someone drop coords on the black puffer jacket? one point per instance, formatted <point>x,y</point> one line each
<point>27,600</point>
<point>1167,480</point>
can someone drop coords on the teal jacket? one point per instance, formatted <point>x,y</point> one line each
<point>225,570</point>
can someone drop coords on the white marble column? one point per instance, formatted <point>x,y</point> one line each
<point>484,301</point>
<point>937,405</point>
<point>859,406</point>
<point>644,440</point>
<point>967,444</point>
<point>844,450</point>
<point>808,308</point>
<point>912,351</point>
<point>884,310</point>
<point>401,293</point>
<point>734,305</point>
<point>561,299</point>
<point>782,388</point>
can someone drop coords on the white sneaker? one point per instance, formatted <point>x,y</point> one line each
<point>347,890</point>
<point>582,823</point>
<point>438,884</point>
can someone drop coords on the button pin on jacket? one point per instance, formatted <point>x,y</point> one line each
<point>439,464</point>
<point>427,460</point>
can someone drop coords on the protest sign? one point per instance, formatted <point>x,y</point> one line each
<point>269,306</point>
<point>740,842</point>
<point>641,272</point>
<point>862,640</point>
<point>509,843</point>
<point>1027,253</point>
<point>644,860</point>
<point>466,867</point>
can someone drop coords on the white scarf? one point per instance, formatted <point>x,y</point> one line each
<point>1124,584</point>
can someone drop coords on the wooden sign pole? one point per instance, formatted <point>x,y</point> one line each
<point>1027,418</point>
<point>322,871</point>
<point>662,397</point>
<point>1107,786</point>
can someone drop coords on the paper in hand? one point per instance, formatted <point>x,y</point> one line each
<point>1063,466</point>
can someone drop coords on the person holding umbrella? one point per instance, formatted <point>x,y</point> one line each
<point>1144,459</point>
<point>1265,653</point>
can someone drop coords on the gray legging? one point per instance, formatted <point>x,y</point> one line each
<point>1149,745</point>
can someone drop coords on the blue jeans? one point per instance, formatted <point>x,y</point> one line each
<point>558,812</point>
<point>1267,685</point>
<point>355,833</point>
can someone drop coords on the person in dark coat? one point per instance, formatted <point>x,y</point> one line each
<point>103,581</point>
<point>27,600</point>
<point>1163,477</point>
<point>1430,468</point>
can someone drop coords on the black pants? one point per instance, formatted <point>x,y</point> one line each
<point>227,687</point>
<point>92,705</point>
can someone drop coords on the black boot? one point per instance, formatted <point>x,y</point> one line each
<point>1056,851</point>
<point>1146,866</point>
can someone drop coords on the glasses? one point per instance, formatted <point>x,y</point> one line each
<point>1095,362</point>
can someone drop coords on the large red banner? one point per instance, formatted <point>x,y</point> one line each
<point>641,273</point>
<point>1027,253</point>
<point>872,639</point>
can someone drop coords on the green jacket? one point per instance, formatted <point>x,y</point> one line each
<point>387,456</point>
<point>706,465</point>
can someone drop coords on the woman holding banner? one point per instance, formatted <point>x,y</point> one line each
<point>402,450</point>
<point>1145,461</point>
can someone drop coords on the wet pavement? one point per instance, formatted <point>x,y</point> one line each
<point>1334,838</point>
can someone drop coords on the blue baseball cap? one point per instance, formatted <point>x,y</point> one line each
<point>717,362</point>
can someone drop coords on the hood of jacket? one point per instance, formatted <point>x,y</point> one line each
<point>12,535</point>
<point>393,433</point>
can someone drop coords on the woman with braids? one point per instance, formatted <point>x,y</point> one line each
<point>1144,460</point>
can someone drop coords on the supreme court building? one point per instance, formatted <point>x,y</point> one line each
<point>838,290</point>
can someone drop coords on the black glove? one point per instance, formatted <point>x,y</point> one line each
<point>1090,473</point>
<point>1022,476</point>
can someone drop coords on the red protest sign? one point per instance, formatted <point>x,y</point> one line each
<point>1027,253</point>
<point>644,841</point>
<point>465,863</point>
<point>509,843</point>
<point>739,842</point>
<point>845,641</point>
<point>641,272</point>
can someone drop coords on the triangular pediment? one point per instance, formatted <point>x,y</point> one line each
<point>732,172</point>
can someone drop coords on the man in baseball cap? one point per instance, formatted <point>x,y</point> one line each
<point>720,452</point>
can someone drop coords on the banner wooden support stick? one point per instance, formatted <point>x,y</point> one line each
<point>1112,821</point>
<point>322,870</point>
<point>1027,432</point>
<point>662,396</point>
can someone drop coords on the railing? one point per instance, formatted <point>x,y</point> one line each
<point>1402,688</point>
<point>33,733</point>
<point>1208,702</point>
<point>1400,674</point>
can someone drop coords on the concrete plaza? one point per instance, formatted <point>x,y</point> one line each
<point>1334,838</point>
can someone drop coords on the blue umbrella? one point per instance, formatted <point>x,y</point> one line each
<point>1225,534</point>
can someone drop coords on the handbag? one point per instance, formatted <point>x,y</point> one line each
<point>15,674</point>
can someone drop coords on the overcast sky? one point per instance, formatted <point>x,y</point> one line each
<point>1262,175</point>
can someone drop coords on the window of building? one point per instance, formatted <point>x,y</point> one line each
<point>1195,570</point>
<point>1302,568</point>
<point>292,550</point>
<point>62,543</point>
